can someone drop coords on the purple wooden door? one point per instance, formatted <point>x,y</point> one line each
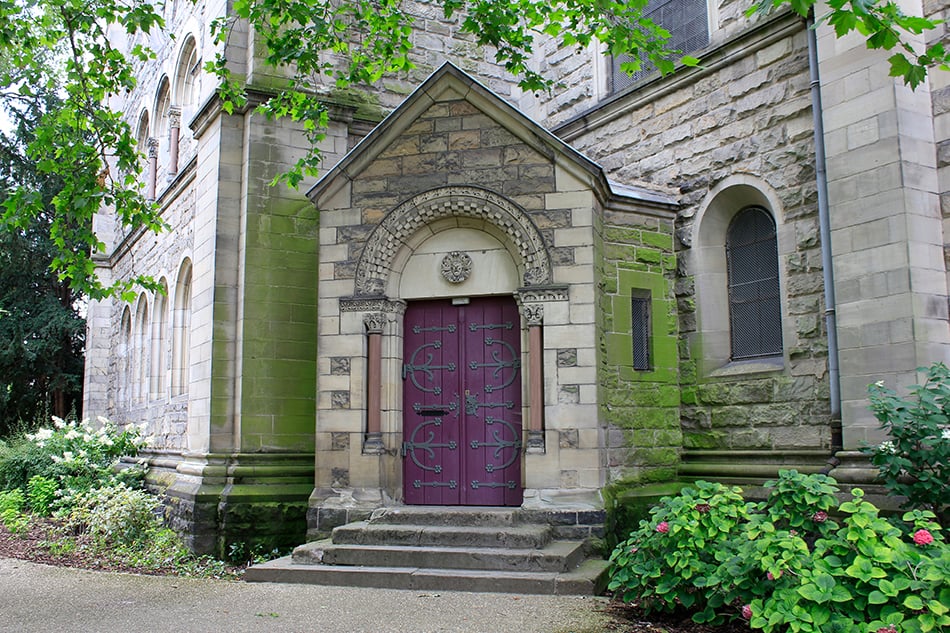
<point>462,403</point>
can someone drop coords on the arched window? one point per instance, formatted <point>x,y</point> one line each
<point>181,327</point>
<point>159,336</point>
<point>755,308</point>
<point>163,104</point>
<point>141,136</point>
<point>186,76</point>
<point>687,22</point>
<point>124,352</point>
<point>140,345</point>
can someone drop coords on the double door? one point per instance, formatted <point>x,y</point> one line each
<point>462,427</point>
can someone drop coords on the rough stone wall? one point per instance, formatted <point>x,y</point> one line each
<point>751,116</point>
<point>159,255</point>
<point>583,77</point>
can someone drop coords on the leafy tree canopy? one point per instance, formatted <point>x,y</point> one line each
<point>41,332</point>
<point>92,148</point>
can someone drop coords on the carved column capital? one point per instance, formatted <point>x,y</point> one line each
<point>533,313</point>
<point>152,147</point>
<point>174,116</point>
<point>374,322</point>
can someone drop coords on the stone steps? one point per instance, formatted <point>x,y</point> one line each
<point>369,533</point>
<point>557,556</point>
<point>464,549</point>
<point>586,579</point>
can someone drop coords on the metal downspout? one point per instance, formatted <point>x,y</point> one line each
<point>824,224</point>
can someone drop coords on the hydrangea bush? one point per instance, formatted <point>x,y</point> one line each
<point>783,564</point>
<point>58,462</point>
<point>915,461</point>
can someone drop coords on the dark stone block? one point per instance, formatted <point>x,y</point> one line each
<point>591,517</point>
<point>341,478</point>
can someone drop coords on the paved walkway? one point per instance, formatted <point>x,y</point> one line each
<point>38,598</point>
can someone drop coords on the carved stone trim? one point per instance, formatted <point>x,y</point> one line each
<point>372,304</point>
<point>533,313</point>
<point>401,223</point>
<point>374,322</point>
<point>152,145</point>
<point>456,267</point>
<point>540,294</point>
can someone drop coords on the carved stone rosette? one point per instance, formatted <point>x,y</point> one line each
<point>456,267</point>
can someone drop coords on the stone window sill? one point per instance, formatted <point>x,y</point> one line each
<point>745,368</point>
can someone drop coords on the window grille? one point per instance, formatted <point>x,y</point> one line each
<point>686,20</point>
<point>755,311</point>
<point>640,326</point>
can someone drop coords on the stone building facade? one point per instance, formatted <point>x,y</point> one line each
<point>493,297</point>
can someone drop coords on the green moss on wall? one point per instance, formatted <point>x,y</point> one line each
<point>643,404</point>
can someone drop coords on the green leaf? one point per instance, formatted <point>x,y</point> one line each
<point>913,603</point>
<point>876,597</point>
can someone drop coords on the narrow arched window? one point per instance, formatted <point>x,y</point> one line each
<point>140,352</point>
<point>181,326</point>
<point>124,353</point>
<point>755,308</point>
<point>159,336</point>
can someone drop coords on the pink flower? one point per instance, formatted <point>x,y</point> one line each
<point>770,576</point>
<point>820,517</point>
<point>634,550</point>
<point>921,537</point>
<point>747,611</point>
<point>793,532</point>
<point>702,508</point>
<point>662,527</point>
<point>890,628</point>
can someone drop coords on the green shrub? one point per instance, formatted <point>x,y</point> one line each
<point>41,493</point>
<point>784,565</point>
<point>915,461</point>
<point>673,552</point>
<point>12,503</point>
<point>868,576</point>
<point>114,516</point>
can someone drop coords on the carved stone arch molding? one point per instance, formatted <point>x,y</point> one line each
<point>398,226</point>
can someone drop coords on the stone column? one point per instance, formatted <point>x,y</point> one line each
<point>174,134</point>
<point>534,316</point>
<point>152,145</point>
<point>373,440</point>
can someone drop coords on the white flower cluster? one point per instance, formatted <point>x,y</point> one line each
<point>887,447</point>
<point>85,432</point>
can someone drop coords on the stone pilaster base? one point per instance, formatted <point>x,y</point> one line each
<point>222,503</point>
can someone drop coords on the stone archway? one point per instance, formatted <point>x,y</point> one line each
<point>403,222</point>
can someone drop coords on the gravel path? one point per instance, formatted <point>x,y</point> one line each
<point>36,598</point>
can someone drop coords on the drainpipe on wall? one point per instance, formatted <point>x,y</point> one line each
<point>824,224</point>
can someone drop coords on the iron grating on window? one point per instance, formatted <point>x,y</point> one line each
<point>640,329</point>
<point>686,20</point>
<point>755,309</point>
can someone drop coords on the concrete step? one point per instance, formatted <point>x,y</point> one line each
<point>557,556</point>
<point>588,579</point>
<point>514,537</point>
